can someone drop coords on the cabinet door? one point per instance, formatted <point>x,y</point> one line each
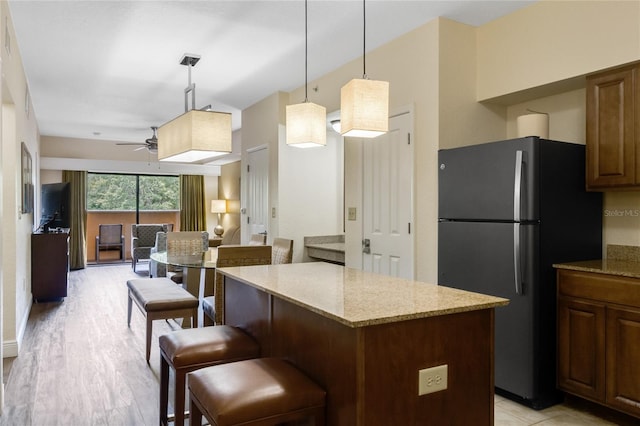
<point>581,348</point>
<point>611,145</point>
<point>623,359</point>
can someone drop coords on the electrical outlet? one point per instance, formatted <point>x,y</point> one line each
<point>432,379</point>
<point>352,213</point>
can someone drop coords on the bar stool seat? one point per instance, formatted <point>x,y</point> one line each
<point>263,391</point>
<point>192,349</point>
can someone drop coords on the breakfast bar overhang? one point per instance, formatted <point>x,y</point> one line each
<point>364,338</point>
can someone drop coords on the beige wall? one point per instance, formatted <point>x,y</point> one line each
<point>555,40</point>
<point>18,125</point>
<point>229,189</point>
<point>261,129</point>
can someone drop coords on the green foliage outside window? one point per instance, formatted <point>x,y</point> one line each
<point>117,192</point>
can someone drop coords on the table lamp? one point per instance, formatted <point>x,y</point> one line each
<point>218,206</point>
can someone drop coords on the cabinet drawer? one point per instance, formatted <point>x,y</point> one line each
<point>601,287</point>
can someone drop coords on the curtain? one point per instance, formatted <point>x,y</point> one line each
<point>193,215</point>
<point>78,232</point>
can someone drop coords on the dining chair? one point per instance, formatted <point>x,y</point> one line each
<point>282,251</point>
<point>109,237</point>
<point>229,256</point>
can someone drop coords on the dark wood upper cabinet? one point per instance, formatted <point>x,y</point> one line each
<point>613,129</point>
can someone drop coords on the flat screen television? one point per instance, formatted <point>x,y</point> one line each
<point>56,206</point>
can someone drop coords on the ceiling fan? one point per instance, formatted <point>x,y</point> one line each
<point>151,144</point>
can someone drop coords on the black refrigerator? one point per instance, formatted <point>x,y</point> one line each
<point>508,210</point>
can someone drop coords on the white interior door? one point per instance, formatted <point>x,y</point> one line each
<point>387,201</point>
<point>257,206</point>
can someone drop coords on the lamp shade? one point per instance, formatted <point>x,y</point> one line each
<point>364,108</point>
<point>195,135</point>
<point>218,206</point>
<point>306,125</point>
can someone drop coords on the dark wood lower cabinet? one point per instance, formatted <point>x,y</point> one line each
<point>49,265</point>
<point>599,338</point>
<point>623,359</point>
<point>581,348</point>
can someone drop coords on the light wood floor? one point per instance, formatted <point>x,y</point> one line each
<point>79,364</point>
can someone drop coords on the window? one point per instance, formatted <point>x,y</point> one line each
<point>120,192</point>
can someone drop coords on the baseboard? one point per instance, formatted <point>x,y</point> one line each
<point>10,349</point>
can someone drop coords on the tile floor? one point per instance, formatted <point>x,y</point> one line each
<point>572,412</point>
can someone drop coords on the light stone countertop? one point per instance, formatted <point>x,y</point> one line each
<point>356,298</point>
<point>338,247</point>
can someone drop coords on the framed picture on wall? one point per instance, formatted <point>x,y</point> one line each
<point>27,180</point>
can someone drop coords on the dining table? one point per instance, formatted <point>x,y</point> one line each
<point>198,271</point>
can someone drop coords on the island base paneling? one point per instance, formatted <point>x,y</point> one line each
<point>370,373</point>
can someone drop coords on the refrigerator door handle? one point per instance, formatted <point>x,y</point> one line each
<point>517,195</point>
<point>516,258</point>
<point>517,187</point>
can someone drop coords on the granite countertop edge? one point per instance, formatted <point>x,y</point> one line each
<point>620,268</point>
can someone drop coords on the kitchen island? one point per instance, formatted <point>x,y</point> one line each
<point>364,337</point>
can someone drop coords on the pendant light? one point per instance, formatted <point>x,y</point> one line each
<point>197,134</point>
<point>306,122</point>
<point>364,103</point>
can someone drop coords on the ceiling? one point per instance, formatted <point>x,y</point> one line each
<point>110,69</point>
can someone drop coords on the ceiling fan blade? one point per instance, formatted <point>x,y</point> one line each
<point>138,149</point>
<point>132,143</point>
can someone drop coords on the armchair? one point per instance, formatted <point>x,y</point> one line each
<point>231,236</point>
<point>143,238</point>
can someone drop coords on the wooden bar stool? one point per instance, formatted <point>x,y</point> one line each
<point>263,391</point>
<point>189,350</point>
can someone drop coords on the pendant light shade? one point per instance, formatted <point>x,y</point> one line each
<point>306,122</point>
<point>306,125</point>
<point>195,135</point>
<point>364,103</point>
<point>364,108</point>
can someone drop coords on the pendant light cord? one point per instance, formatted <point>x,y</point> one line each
<point>306,99</point>
<point>364,40</point>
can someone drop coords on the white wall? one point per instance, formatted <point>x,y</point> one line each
<point>310,188</point>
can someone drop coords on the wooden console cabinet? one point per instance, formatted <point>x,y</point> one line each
<point>49,265</point>
<point>599,338</point>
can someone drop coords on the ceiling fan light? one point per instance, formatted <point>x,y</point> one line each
<point>195,135</point>
<point>364,108</point>
<point>306,125</point>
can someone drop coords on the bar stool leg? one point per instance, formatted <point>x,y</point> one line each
<point>149,328</point>
<point>179,401</point>
<point>195,414</point>
<point>164,391</point>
